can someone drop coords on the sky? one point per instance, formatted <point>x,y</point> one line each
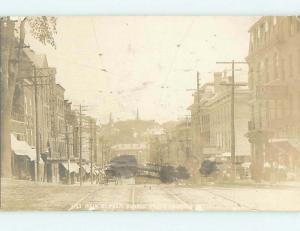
<point>121,64</point>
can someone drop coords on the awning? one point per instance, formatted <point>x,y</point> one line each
<point>21,148</point>
<point>246,164</point>
<point>284,146</point>
<point>87,168</point>
<point>210,151</point>
<point>73,167</point>
<point>267,165</point>
<point>226,154</point>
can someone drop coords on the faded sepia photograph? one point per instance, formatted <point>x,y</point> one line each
<point>150,113</point>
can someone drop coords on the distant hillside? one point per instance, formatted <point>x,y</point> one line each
<point>170,125</point>
<point>128,131</point>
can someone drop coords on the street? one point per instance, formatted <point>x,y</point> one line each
<point>24,195</point>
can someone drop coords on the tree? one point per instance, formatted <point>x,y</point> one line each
<point>208,167</point>
<point>167,174</point>
<point>12,37</point>
<point>182,173</point>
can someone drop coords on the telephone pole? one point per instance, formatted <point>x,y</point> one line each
<point>102,153</point>
<point>197,142</point>
<point>37,143</point>
<point>187,139</point>
<point>81,109</point>
<point>232,116</point>
<point>80,144</point>
<point>198,89</point>
<point>199,147</point>
<point>91,156</point>
<point>38,74</point>
<point>68,153</point>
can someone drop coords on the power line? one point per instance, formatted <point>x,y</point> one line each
<point>95,34</point>
<point>232,146</point>
<point>176,53</point>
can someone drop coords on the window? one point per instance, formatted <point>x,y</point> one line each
<point>266,65</point>
<point>290,25</point>
<point>282,69</point>
<point>266,26</point>
<point>283,106</point>
<point>275,109</point>
<point>298,63</point>
<point>291,72</point>
<point>258,70</point>
<point>291,104</point>
<point>275,63</point>
<point>299,102</point>
<point>298,23</point>
<point>274,20</point>
<point>267,113</point>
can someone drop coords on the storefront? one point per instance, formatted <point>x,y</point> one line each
<point>24,158</point>
<point>68,170</point>
<point>281,158</point>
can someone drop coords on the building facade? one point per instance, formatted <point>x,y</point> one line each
<point>211,118</point>
<point>274,80</point>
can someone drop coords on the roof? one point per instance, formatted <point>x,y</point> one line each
<point>39,60</point>
<point>60,87</point>
<point>256,23</point>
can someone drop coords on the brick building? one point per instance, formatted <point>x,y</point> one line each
<point>211,124</point>
<point>274,80</point>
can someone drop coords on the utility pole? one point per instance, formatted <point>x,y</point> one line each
<point>196,144</point>
<point>35,85</point>
<point>232,122</point>
<point>81,109</point>
<point>199,116</point>
<point>91,149</point>
<point>102,153</point>
<point>37,145</point>
<point>187,149</point>
<point>80,144</point>
<point>91,156</point>
<point>198,89</point>
<point>168,147</point>
<point>68,153</point>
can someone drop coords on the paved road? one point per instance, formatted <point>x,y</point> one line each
<point>180,198</point>
<point>22,195</point>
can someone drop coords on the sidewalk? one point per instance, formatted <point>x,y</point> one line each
<point>245,183</point>
<point>251,183</point>
<point>28,195</point>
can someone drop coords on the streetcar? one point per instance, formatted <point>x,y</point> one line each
<point>123,166</point>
